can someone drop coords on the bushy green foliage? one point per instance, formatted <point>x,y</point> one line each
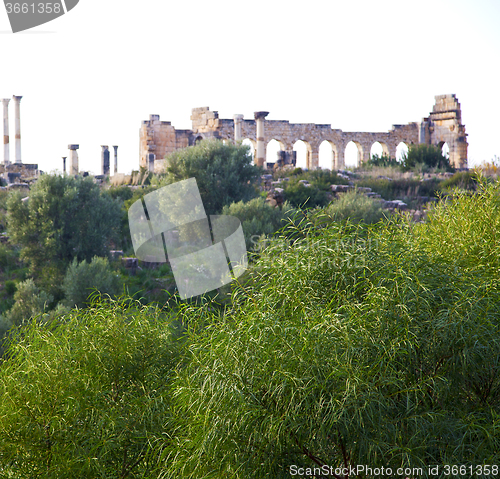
<point>428,155</point>
<point>29,301</point>
<point>122,192</point>
<point>383,160</point>
<point>402,188</point>
<point>258,218</point>
<point>224,172</point>
<point>87,397</point>
<point>353,346</point>
<point>301,196</point>
<point>64,218</point>
<point>465,180</point>
<point>318,191</point>
<point>355,207</point>
<point>83,278</point>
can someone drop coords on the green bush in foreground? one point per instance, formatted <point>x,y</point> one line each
<point>87,398</point>
<point>377,348</point>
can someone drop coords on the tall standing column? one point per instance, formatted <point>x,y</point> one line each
<point>237,127</point>
<point>73,161</point>
<point>6,152</point>
<point>105,160</point>
<point>260,155</point>
<point>17,113</point>
<point>116,159</point>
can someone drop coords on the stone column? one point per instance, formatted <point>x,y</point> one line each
<point>237,127</point>
<point>314,158</point>
<point>64,163</point>
<point>73,164</point>
<point>260,154</point>
<point>105,160</point>
<point>17,113</point>
<point>116,158</point>
<point>6,151</point>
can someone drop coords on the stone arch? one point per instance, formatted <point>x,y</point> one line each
<point>348,159</point>
<point>328,155</point>
<point>198,138</point>
<point>401,148</point>
<point>272,148</point>
<point>304,153</point>
<point>380,147</point>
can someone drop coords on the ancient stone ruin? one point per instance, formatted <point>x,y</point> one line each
<point>443,125</point>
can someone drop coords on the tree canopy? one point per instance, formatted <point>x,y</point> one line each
<point>63,218</point>
<point>224,172</point>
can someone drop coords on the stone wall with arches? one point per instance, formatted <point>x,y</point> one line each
<point>159,138</point>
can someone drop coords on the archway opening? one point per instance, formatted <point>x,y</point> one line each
<point>327,156</point>
<point>198,139</point>
<point>445,150</point>
<point>376,150</point>
<point>251,144</point>
<point>302,152</point>
<point>272,151</point>
<point>353,154</point>
<point>401,151</point>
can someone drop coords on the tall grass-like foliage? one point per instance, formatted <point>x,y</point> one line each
<point>354,347</point>
<point>87,398</point>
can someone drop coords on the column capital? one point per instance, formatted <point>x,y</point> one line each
<point>16,98</point>
<point>105,147</point>
<point>73,147</point>
<point>238,117</point>
<point>115,147</point>
<point>260,115</point>
<point>5,101</point>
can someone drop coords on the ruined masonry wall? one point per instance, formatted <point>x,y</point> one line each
<point>443,125</point>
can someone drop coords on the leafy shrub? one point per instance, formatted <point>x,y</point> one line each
<point>29,301</point>
<point>87,397</point>
<point>301,196</point>
<point>465,180</point>
<point>402,188</point>
<point>429,155</point>
<point>355,207</point>
<point>82,278</point>
<point>258,218</point>
<point>383,160</point>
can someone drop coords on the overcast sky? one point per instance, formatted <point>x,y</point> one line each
<point>91,76</point>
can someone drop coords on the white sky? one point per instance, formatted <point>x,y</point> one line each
<point>91,76</point>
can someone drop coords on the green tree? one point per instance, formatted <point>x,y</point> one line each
<point>429,155</point>
<point>64,218</point>
<point>82,278</point>
<point>224,172</point>
<point>87,397</point>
